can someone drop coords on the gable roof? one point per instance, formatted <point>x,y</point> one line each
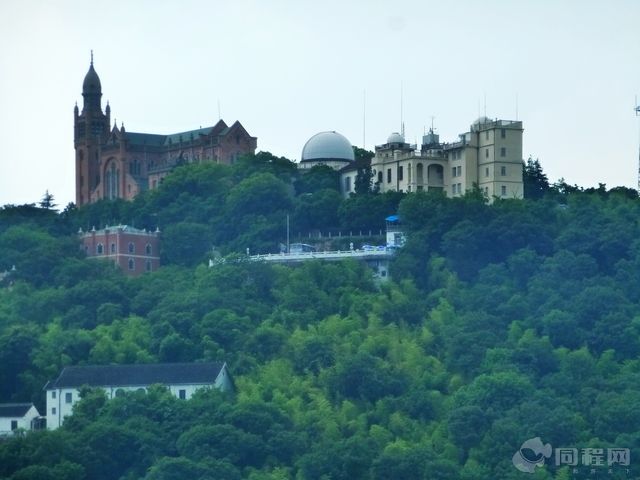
<point>140,374</point>
<point>14,409</point>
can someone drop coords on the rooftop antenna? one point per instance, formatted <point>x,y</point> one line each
<point>485,104</point>
<point>432,118</point>
<point>637,110</point>
<point>516,107</point>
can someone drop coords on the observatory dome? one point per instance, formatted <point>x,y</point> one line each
<point>327,146</point>
<point>395,137</point>
<point>481,120</point>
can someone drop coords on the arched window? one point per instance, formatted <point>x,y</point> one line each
<point>147,249</point>
<point>113,248</point>
<point>119,393</point>
<point>132,248</point>
<point>132,264</point>
<point>112,181</point>
<point>99,249</point>
<point>419,173</point>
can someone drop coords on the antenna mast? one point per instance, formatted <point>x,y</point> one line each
<point>364,118</point>
<point>637,110</point>
<point>401,110</point>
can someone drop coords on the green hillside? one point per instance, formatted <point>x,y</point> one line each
<point>504,321</point>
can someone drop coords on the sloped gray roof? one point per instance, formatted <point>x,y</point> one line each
<point>141,374</point>
<point>14,410</point>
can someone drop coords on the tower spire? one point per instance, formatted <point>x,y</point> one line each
<point>91,57</point>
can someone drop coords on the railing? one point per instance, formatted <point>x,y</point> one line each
<point>337,254</point>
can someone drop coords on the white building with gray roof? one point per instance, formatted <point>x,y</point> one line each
<point>182,380</point>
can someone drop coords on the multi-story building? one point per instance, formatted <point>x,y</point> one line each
<point>182,380</point>
<point>114,163</point>
<point>135,251</point>
<point>489,156</point>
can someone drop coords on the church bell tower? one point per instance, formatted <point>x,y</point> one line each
<point>91,128</point>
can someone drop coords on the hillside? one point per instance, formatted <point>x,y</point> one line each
<point>503,322</point>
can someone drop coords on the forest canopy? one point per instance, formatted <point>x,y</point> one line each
<point>504,321</point>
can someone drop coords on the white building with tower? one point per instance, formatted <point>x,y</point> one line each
<point>489,155</point>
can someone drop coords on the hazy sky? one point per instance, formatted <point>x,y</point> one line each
<point>289,69</point>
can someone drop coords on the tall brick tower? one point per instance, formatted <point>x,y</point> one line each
<point>91,128</point>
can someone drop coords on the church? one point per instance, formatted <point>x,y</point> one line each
<point>113,163</point>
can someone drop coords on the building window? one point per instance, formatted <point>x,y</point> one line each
<point>503,151</point>
<point>347,184</point>
<point>486,135</point>
<point>453,189</point>
<point>68,397</point>
<point>486,153</point>
<point>503,133</point>
<point>132,248</point>
<point>147,265</point>
<point>503,191</point>
<point>147,249</point>
<point>458,171</point>
<point>400,173</point>
<point>119,393</point>
<point>503,171</point>
<point>53,394</point>
<point>459,188</point>
<point>380,176</point>
<point>486,172</point>
<point>388,175</point>
<point>132,264</point>
<point>99,249</point>
<point>53,410</point>
<point>113,248</point>
<point>182,394</point>
<point>14,425</point>
<point>453,171</point>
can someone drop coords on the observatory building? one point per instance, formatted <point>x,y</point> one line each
<point>327,148</point>
<point>489,155</point>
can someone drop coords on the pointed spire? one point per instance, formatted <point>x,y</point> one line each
<point>92,58</point>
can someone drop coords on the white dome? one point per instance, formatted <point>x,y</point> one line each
<point>327,146</point>
<point>395,137</point>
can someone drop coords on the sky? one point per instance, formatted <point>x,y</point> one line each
<point>287,69</point>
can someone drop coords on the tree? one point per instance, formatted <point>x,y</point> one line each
<point>536,183</point>
<point>47,201</point>
<point>364,175</point>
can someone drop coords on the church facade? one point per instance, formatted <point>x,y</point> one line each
<point>113,163</point>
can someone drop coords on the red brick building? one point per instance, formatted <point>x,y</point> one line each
<point>135,251</point>
<point>113,163</point>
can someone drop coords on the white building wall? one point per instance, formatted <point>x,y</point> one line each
<point>60,401</point>
<point>23,422</point>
